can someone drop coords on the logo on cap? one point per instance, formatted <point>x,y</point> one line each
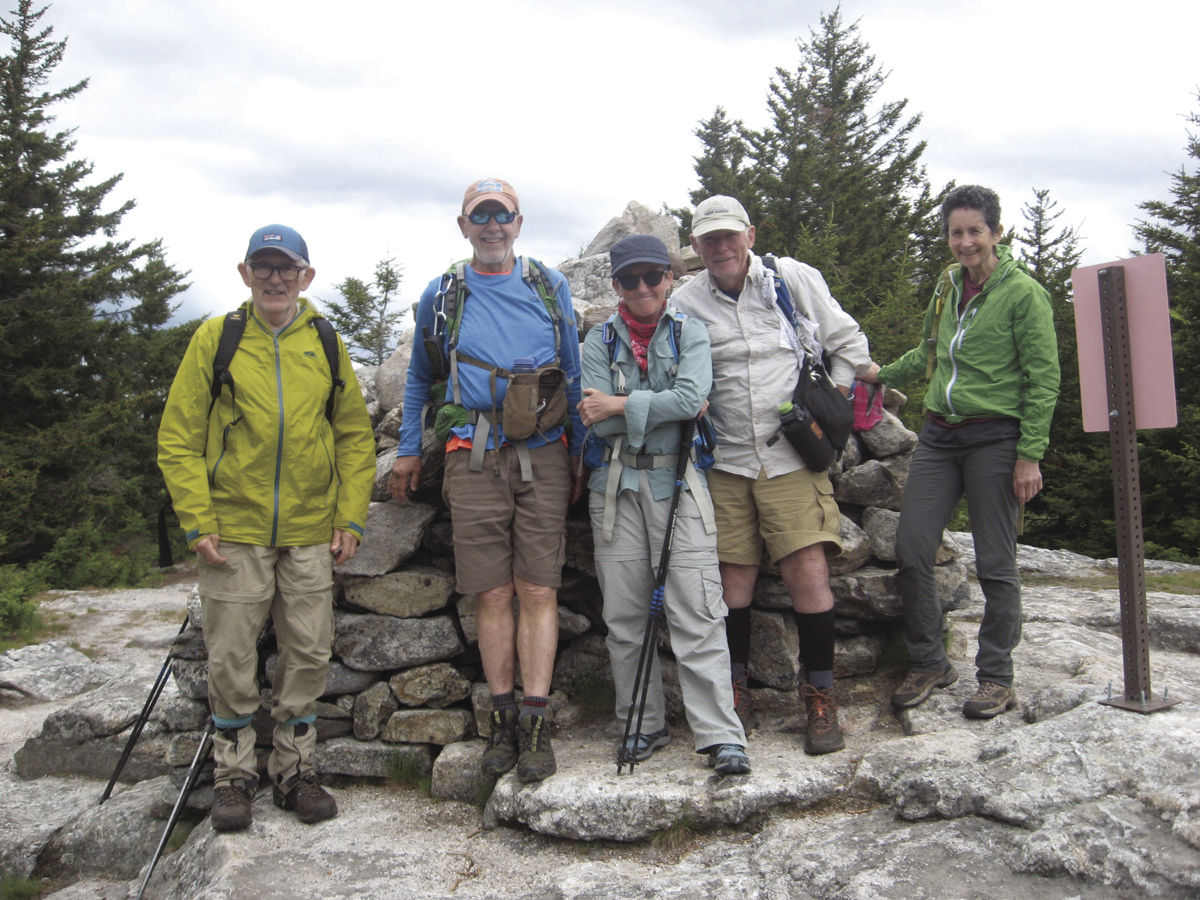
<point>272,237</point>
<point>488,186</point>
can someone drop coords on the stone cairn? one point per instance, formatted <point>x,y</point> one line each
<point>406,691</point>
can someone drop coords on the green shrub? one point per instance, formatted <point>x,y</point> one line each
<point>17,606</point>
<point>83,556</point>
<point>15,888</point>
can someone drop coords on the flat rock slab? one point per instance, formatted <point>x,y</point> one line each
<point>50,671</point>
<point>588,800</point>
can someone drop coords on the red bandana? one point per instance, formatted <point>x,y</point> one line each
<point>639,335</point>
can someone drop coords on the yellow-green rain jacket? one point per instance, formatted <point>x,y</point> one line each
<point>266,467</point>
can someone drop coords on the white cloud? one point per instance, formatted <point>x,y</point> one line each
<point>360,124</point>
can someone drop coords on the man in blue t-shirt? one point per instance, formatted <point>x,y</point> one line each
<point>508,495</point>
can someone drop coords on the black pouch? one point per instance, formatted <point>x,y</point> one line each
<point>807,438</point>
<point>834,413</point>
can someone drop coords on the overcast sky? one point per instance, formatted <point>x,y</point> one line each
<point>361,123</point>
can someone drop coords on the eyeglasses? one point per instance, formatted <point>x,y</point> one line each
<point>502,217</point>
<point>653,278</point>
<point>266,270</point>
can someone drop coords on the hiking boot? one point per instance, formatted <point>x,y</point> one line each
<point>743,703</point>
<point>231,806</point>
<point>304,795</point>
<point>536,758</point>
<point>823,734</point>
<point>917,686</point>
<point>640,747</point>
<point>990,700</point>
<point>729,759</point>
<point>501,752</point>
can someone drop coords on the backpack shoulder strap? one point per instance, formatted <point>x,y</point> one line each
<point>943,290</point>
<point>534,274</point>
<point>329,343</point>
<point>449,300</point>
<point>783,297</point>
<point>676,335</point>
<point>232,330</point>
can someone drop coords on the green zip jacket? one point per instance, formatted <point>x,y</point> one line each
<point>998,358</point>
<point>266,467</point>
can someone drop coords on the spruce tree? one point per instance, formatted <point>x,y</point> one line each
<point>722,167</point>
<point>364,316</point>
<point>1170,458</point>
<point>838,175</point>
<point>73,300</point>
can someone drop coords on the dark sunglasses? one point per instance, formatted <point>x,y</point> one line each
<point>653,278</point>
<point>502,217</point>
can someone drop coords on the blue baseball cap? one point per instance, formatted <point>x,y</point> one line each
<point>638,248</point>
<point>279,237</point>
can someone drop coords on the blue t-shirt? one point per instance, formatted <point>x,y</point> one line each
<point>503,318</point>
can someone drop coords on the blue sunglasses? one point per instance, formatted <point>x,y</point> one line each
<point>502,217</point>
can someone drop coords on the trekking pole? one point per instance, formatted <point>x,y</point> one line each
<point>189,782</point>
<point>641,682</point>
<point>144,716</point>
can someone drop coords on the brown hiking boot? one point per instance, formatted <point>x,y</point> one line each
<point>917,686</point>
<point>304,795</point>
<point>743,703</point>
<point>823,734</point>
<point>501,752</point>
<point>536,759</point>
<point>990,700</point>
<point>231,806</point>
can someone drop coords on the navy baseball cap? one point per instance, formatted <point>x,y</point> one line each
<point>279,237</point>
<point>638,248</point>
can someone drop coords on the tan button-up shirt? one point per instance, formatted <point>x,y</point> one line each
<point>756,357</point>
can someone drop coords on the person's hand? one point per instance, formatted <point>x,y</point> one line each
<point>1027,479</point>
<point>869,374</point>
<point>406,471</point>
<point>343,546</point>
<point>207,547</point>
<point>596,406</point>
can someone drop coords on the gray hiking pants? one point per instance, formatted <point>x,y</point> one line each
<point>693,603</point>
<point>976,459</point>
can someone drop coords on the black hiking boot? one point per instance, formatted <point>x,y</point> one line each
<point>304,795</point>
<point>231,806</point>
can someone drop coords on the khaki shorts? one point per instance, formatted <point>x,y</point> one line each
<point>504,526</point>
<point>785,513</point>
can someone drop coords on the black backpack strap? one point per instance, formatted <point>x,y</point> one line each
<point>329,342</point>
<point>231,335</point>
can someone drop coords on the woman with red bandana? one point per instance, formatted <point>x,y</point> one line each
<point>646,371</point>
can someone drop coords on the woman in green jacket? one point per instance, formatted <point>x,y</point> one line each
<point>991,356</point>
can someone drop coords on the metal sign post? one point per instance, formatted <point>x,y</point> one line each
<point>1127,496</point>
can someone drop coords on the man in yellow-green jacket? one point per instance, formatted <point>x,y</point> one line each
<point>271,489</point>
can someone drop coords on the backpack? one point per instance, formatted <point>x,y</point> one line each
<point>231,335</point>
<point>535,399</point>
<point>598,453</point>
<point>596,450</point>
